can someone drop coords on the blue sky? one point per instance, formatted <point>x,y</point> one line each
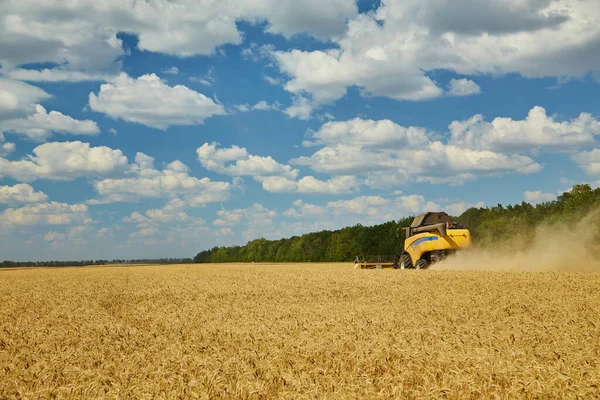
<point>159,129</point>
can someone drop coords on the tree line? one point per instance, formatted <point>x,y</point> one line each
<point>489,226</point>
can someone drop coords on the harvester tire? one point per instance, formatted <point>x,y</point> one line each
<point>421,264</point>
<point>405,262</point>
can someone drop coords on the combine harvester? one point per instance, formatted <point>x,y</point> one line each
<point>431,238</point>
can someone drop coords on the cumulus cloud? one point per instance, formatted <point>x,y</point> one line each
<point>40,125</point>
<point>310,185</point>
<point>5,147</point>
<point>150,223</point>
<point>456,209</point>
<point>388,52</point>
<point>256,213</point>
<point>376,147</point>
<point>21,113</point>
<point>538,130</point>
<point>56,75</point>
<point>64,161</point>
<point>536,197</point>
<point>149,101</point>
<point>366,209</point>
<point>254,221</point>
<point>463,87</point>
<point>589,161</point>
<point>18,99</point>
<point>53,236</point>
<point>52,213</point>
<point>104,233</point>
<point>271,80</point>
<point>145,181</point>
<point>301,108</point>
<point>21,193</point>
<point>321,19</point>
<point>264,106</point>
<point>81,37</point>
<point>370,133</point>
<point>236,161</point>
<point>171,71</point>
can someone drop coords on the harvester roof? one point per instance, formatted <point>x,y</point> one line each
<point>430,218</point>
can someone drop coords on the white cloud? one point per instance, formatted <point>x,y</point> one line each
<point>463,87</point>
<point>457,209</point>
<point>271,80</point>
<point>208,79</point>
<point>536,197</point>
<point>366,209</point>
<point>56,75</point>
<point>371,134</point>
<point>18,99</point>
<point>242,107</point>
<point>301,209</point>
<point>77,233</point>
<point>53,236</point>
<point>538,130</point>
<point>321,19</point>
<point>264,106</point>
<point>387,53</point>
<point>254,221</point>
<point>310,185</point>
<point>226,232</point>
<point>256,53</point>
<point>81,36</point>
<point>64,161</point>
<point>34,32</point>
<point>151,223</point>
<point>145,181</point>
<point>52,213</point>
<point>388,154</point>
<point>256,213</point>
<point>301,108</point>
<point>149,101</point>
<point>202,81</point>
<point>171,71</point>
<point>21,193</point>
<point>236,161</point>
<point>105,232</point>
<point>5,147</point>
<point>40,125</point>
<point>365,146</point>
<point>21,113</point>
<point>589,161</point>
<point>386,179</point>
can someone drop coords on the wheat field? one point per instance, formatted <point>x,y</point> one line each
<point>297,331</point>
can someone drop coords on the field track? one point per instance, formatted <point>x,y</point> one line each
<point>297,331</point>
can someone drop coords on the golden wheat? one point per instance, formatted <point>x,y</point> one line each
<point>297,331</point>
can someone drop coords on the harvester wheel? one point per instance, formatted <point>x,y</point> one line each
<point>421,264</point>
<point>405,261</point>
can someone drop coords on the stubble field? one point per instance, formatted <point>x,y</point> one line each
<point>297,331</point>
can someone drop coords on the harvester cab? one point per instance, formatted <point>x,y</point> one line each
<point>431,238</point>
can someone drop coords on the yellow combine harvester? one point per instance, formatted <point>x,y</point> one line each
<point>431,237</point>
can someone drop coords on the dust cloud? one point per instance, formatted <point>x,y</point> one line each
<point>553,247</point>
